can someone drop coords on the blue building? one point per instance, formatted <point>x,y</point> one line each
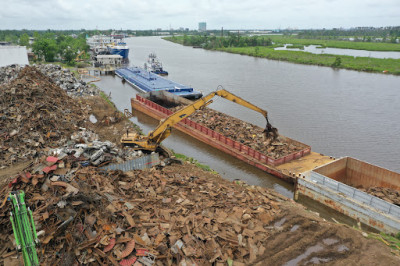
<point>202,26</point>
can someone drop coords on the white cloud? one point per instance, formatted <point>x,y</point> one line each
<point>151,14</point>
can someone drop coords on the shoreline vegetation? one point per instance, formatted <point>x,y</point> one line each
<point>263,47</point>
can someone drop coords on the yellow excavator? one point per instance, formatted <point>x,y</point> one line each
<point>153,140</point>
<point>79,56</point>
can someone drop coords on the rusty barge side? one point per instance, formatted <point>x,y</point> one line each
<point>335,185</point>
<point>287,167</point>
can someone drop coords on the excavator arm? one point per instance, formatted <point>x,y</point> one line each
<point>163,130</point>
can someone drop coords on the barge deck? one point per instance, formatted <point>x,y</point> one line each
<point>146,81</point>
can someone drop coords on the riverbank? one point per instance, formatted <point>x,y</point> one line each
<point>366,64</point>
<point>179,213</point>
<point>368,46</point>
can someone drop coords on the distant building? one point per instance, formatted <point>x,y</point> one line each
<point>202,26</point>
<point>109,60</point>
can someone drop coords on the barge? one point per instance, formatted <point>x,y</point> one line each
<point>146,81</point>
<point>335,185</point>
<point>286,167</point>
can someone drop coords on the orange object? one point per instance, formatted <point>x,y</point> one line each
<point>128,249</point>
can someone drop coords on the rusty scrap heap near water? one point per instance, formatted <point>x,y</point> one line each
<point>175,214</point>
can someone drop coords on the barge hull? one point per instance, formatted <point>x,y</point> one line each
<point>285,168</point>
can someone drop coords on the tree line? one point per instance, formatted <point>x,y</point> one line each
<point>50,45</point>
<point>366,34</point>
<point>214,42</point>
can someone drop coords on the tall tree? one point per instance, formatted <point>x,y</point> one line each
<point>24,40</point>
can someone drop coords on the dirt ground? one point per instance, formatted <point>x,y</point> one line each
<point>110,124</point>
<point>299,237</point>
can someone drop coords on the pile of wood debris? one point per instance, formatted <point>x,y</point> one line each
<point>166,215</point>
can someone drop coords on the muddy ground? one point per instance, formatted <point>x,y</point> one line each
<point>299,237</point>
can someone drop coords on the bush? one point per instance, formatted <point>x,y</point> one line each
<point>338,62</point>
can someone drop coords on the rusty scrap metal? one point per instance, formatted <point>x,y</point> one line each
<point>266,141</point>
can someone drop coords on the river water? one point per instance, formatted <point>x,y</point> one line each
<point>336,112</point>
<point>351,52</point>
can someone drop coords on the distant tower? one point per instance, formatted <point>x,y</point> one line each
<point>202,26</point>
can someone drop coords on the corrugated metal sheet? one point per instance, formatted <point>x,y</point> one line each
<point>147,161</point>
<point>355,194</point>
<point>352,202</point>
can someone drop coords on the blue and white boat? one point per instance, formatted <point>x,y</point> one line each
<point>146,81</point>
<point>119,49</point>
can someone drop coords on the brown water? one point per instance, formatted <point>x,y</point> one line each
<point>336,112</point>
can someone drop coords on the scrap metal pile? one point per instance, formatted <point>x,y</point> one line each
<point>388,194</point>
<point>34,114</point>
<point>166,216</point>
<point>67,81</point>
<point>244,132</point>
<point>61,77</point>
<point>9,73</point>
<point>39,118</point>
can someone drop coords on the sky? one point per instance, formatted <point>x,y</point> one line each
<point>166,14</point>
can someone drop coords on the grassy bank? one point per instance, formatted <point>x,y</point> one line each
<point>194,161</point>
<point>378,65</point>
<point>369,46</point>
<point>391,66</point>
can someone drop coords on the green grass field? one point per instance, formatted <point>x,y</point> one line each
<point>391,66</point>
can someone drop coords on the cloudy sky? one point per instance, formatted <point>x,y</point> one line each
<point>230,14</point>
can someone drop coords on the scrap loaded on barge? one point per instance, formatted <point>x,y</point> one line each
<point>296,166</point>
<point>146,81</point>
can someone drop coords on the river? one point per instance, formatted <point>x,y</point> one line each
<point>336,112</point>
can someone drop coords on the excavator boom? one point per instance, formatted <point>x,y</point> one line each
<point>163,130</point>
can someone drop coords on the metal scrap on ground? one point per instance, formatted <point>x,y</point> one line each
<point>35,113</point>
